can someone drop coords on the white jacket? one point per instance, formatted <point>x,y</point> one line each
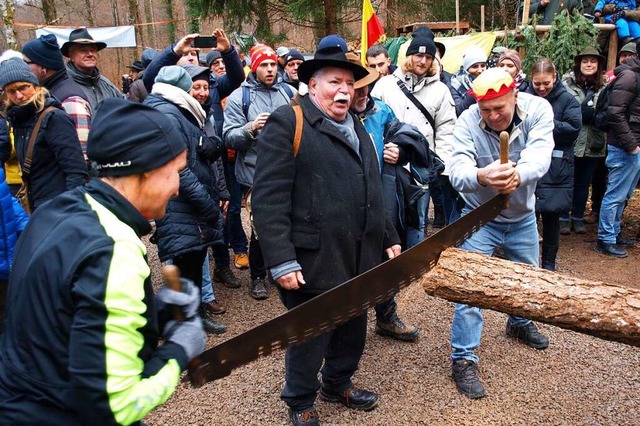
<point>436,98</point>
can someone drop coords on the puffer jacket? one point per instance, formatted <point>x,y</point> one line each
<point>624,107</point>
<point>13,219</point>
<point>57,163</point>
<point>237,127</point>
<point>191,219</point>
<point>436,98</point>
<point>591,141</point>
<point>96,86</point>
<point>554,191</point>
<point>459,85</point>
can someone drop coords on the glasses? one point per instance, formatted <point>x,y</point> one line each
<point>28,62</point>
<point>22,88</point>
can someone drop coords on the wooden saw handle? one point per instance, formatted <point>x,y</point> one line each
<point>171,277</point>
<point>504,156</point>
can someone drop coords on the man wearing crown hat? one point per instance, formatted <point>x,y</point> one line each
<point>82,51</point>
<point>476,173</point>
<point>320,217</point>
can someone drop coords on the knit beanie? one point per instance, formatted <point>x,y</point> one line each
<point>212,56</point>
<point>122,147</point>
<point>293,54</point>
<point>14,70</point>
<point>282,51</point>
<point>148,55</point>
<point>422,42</point>
<point>260,53</point>
<point>176,76</point>
<point>473,55</point>
<point>332,40</point>
<point>45,52</point>
<point>513,58</point>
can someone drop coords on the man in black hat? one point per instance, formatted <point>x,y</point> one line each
<point>82,51</point>
<point>137,91</point>
<point>319,214</point>
<point>81,343</point>
<point>46,62</point>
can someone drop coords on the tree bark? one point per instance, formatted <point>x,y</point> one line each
<point>49,11</point>
<point>8,16</point>
<point>330,17</point>
<point>134,19</point>
<point>603,310</point>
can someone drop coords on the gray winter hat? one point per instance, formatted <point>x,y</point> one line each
<point>14,70</point>
<point>176,76</point>
<point>212,56</point>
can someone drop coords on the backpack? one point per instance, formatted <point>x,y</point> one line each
<point>601,121</point>
<point>246,97</point>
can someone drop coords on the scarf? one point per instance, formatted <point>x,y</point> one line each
<point>181,99</point>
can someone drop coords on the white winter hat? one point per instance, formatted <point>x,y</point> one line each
<point>473,55</point>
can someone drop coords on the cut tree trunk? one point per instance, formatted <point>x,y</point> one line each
<point>603,310</point>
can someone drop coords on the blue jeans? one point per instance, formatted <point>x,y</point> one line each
<point>627,28</point>
<point>416,235</point>
<point>207,285</point>
<point>624,170</point>
<point>234,232</point>
<point>520,244</point>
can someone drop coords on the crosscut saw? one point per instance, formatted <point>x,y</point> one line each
<point>328,310</point>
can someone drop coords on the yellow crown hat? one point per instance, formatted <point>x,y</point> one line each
<point>492,83</point>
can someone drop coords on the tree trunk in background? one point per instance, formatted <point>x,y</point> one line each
<point>134,18</point>
<point>8,16</point>
<point>150,17</point>
<point>330,17</point>
<point>603,310</point>
<point>171,28</point>
<point>116,22</point>
<point>89,13</point>
<point>49,10</point>
<point>392,18</point>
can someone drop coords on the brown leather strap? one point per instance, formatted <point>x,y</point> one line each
<point>26,167</point>
<point>297,137</point>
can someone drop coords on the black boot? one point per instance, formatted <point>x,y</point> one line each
<point>438,217</point>
<point>549,254</point>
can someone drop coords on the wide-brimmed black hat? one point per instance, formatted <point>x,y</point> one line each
<point>80,36</point>
<point>590,51</point>
<point>136,66</point>
<point>332,56</point>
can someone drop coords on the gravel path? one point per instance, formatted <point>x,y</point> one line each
<point>578,380</point>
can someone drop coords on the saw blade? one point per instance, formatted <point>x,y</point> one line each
<point>340,304</point>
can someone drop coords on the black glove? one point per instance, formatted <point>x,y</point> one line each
<point>210,148</point>
<point>588,114</point>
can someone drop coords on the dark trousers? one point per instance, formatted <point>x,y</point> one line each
<point>341,350</point>
<point>550,239</point>
<point>190,265</point>
<point>599,184</point>
<point>4,289</point>
<point>584,167</point>
<point>443,194</point>
<point>234,232</point>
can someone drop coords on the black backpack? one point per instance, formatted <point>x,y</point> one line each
<point>601,121</point>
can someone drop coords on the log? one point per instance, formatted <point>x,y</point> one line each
<point>607,311</point>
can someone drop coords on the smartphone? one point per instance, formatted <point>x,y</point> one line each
<point>205,41</point>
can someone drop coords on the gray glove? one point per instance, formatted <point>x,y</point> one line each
<point>188,300</point>
<point>188,334</point>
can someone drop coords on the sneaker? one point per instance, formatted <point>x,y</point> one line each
<point>358,399</point>
<point>214,307</point>
<point>398,330</point>
<point>529,335</point>
<point>304,418</point>
<point>465,374</point>
<point>241,260</point>
<point>622,241</point>
<point>591,218</point>
<point>610,249</point>
<point>225,276</point>
<point>578,226</point>
<point>564,227</point>
<point>258,289</point>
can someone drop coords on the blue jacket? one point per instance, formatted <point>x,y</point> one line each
<point>13,219</point>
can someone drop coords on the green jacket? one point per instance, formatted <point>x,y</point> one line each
<point>591,142</point>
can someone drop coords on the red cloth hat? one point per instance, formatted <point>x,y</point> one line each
<point>260,53</point>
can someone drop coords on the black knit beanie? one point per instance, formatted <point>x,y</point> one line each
<point>45,52</point>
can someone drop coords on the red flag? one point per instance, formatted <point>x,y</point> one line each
<point>372,29</point>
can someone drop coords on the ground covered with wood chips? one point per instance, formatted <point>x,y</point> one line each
<point>578,380</point>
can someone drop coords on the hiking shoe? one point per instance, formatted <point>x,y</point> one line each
<point>214,307</point>
<point>258,289</point>
<point>622,241</point>
<point>304,418</point>
<point>398,330</point>
<point>211,326</point>
<point>241,260</point>
<point>225,276</point>
<point>438,217</point>
<point>358,399</point>
<point>564,227</point>
<point>529,335</point>
<point>591,218</point>
<point>578,226</point>
<point>610,249</point>
<point>465,374</point>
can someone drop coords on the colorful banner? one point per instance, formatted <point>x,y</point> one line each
<point>372,29</point>
<point>123,36</point>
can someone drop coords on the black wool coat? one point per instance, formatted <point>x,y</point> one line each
<point>323,208</point>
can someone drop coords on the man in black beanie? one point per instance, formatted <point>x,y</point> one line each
<point>81,343</point>
<point>45,60</point>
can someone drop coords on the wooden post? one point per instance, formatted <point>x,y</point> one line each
<point>612,54</point>
<point>457,17</point>
<point>482,18</point>
<point>525,11</point>
<point>603,310</point>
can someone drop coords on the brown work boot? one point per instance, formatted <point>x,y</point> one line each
<point>214,307</point>
<point>591,218</point>
<point>397,329</point>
